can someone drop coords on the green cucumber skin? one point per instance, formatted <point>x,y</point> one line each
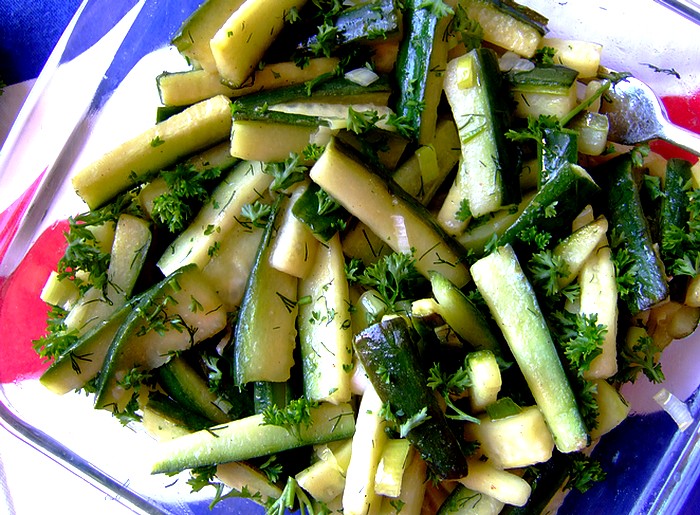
<point>544,78</point>
<point>93,345</point>
<point>172,410</point>
<point>126,330</point>
<point>481,336</point>
<point>190,390</point>
<point>496,92</point>
<point>514,306</point>
<point>522,13</point>
<point>412,63</point>
<point>243,327</point>
<point>268,393</point>
<point>249,438</point>
<point>560,148</point>
<point>324,226</point>
<point>268,116</point>
<point>367,21</point>
<point>568,191</point>
<point>388,346</point>
<point>333,87</point>
<point>674,204</point>
<point>627,222</point>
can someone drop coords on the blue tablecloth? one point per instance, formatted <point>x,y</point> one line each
<point>29,29</point>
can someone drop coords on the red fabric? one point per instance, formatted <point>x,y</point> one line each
<point>22,312</point>
<point>683,111</point>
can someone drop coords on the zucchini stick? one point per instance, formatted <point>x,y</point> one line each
<point>514,306</point>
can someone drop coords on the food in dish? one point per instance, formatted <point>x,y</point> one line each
<point>340,230</point>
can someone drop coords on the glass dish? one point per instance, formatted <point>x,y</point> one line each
<point>98,89</point>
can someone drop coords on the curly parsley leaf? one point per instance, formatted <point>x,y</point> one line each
<point>640,355</point>
<point>546,269</point>
<point>293,497</point>
<point>395,278</point>
<point>291,417</point>
<point>57,338</point>
<point>545,55</point>
<point>583,473</point>
<point>186,187</point>
<point>437,8</point>
<point>449,386</point>
<point>468,31</point>
<point>257,214</point>
<point>286,173</point>
<point>581,337</point>
<point>202,477</point>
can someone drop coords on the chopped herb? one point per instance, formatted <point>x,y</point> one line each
<point>326,40</point>
<point>625,266</point>
<point>257,213</point>
<point>464,213</point>
<point>437,8</point>
<point>395,278</point>
<point>545,271</point>
<point>641,356</point>
<point>449,386</point>
<point>272,469</point>
<point>295,414</point>
<point>294,497</point>
<point>467,30</point>
<point>292,15</point>
<point>286,173</point>
<point>187,186</point>
<point>413,421</point>
<point>545,55</point>
<point>360,122</point>
<point>58,338</point>
<point>312,152</point>
<point>584,471</point>
<point>202,477</point>
<point>667,71</point>
<point>581,337</point>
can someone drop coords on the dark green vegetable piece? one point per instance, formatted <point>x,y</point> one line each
<point>376,19</point>
<point>322,214</point>
<point>544,78</point>
<point>188,388</point>
<point>268,393</point>
<point>674,215</point>
<point>413,63</point>
<point>175,412</point>
<point>332,89</point>
<point>631,235</point>
<point>560,148</point>
<point>551,211</point>
<point>389,354</point>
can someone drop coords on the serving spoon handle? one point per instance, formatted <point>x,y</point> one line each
<point>683,138</point>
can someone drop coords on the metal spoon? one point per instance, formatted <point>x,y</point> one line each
<point>636,116</point>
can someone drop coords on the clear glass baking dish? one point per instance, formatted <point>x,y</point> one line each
<point>98,88</point>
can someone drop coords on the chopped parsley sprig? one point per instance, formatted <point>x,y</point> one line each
<point>187,187</point>
<point>394,276</point>
<point>292,417</point>
<point>583,473</point>
<point>450,386</point>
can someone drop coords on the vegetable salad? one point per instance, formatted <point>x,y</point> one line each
<point>375,257</point>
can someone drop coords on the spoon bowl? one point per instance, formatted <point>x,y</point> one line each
<point>636,115</point>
